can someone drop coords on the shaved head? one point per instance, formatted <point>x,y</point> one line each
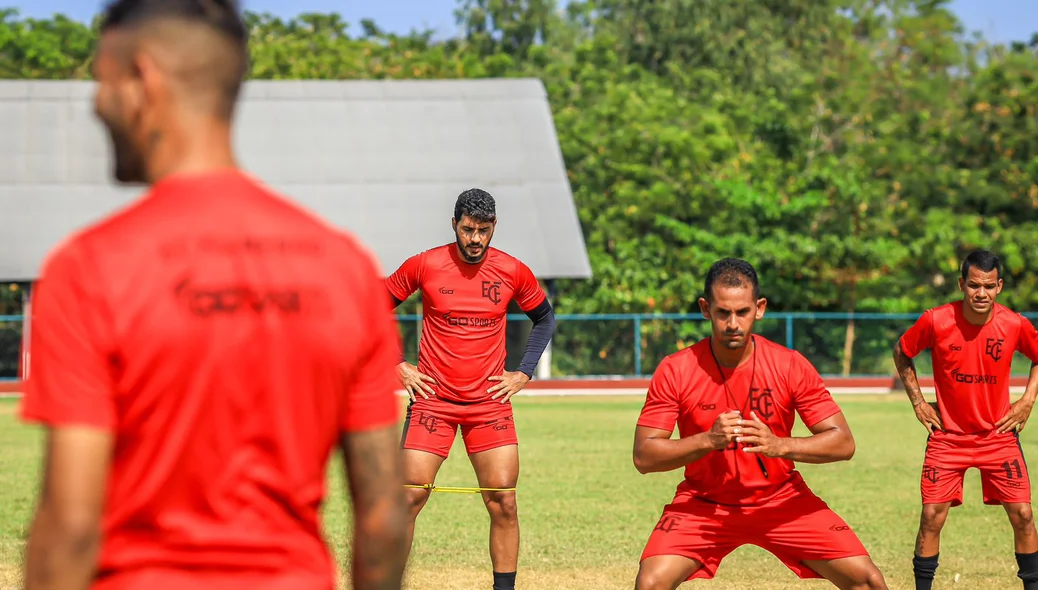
<point>167,71</point>
<point>202,45</point>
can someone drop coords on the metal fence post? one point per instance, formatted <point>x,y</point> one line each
<point>638,346</point>
<point>789,330</point>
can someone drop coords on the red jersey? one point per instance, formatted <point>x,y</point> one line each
<point>209,327</point>
<point>464,309</point>
<point>688,389</point>
<point>971,363</point>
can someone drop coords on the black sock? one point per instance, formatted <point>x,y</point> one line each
<point>924,568</point>
<point>1028,563</point>
<point>504,581</point>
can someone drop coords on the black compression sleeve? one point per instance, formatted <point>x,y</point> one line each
<point>543,317</point>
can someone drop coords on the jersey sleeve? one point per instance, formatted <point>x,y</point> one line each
<point>72,360</point>
<point>370,398</point>
<point>811,398</point>
<point>528,293</point>
<point>661,403</point>
<point>919,337</point>
<point>1027,342</point>
<point>407,279</point>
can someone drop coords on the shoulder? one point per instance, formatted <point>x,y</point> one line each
<point>436,255</point>
<point>502,259</point>
<point>687,362</point>
<point>440,255</point>
<point>95,238</point>
<point>1010,318</point>
<point>776,353</point>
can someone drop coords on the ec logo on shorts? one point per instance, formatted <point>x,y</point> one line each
<point>492,291</point>
<point>994,348</point>
<point>930,473</point>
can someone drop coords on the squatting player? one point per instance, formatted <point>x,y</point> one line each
<point>460,380</point>
<point>733,396</point>
<point>972,342</point>
<point>188,355</point>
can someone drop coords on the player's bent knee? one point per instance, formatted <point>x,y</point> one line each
<point>933,517</point>
<point>502,506</point>
<point>1021,516</point>
<point>652,579</point>
<point>416,499</point>
<point>874,580</point>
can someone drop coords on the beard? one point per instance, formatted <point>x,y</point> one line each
<point>468,256</point>
<point>129,162</point>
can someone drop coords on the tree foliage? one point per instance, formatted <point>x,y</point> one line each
<point>854,150</point>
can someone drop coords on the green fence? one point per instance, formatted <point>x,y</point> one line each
<point>631,345</point>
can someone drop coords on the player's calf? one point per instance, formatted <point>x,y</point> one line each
<point>931,522</point>
<point>1026,541</point>
<point>928,544</point>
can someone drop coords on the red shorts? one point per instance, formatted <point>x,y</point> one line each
<point>1003,472</point>
<point>432,424</point>
<point>794,525</point>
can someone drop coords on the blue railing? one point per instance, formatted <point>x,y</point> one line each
<point>870,349</point>
<point>628,344</point>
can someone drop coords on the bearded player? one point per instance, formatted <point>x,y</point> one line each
<point>188,360</point>
<point>734,397</point>
<point>460,380</point>
<point>972,342</point>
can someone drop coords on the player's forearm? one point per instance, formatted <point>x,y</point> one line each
<point>543,328</point>
<point>379,546</point>
<point>1031,390</point>
<point>376,483</point>
<point>829,446</point>
<point>654,455</point>
<point>906,371</point>
<point>59,556</point>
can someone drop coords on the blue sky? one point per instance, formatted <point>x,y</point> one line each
<point>999,20</point>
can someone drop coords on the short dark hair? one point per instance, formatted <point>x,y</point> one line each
<point>731,272</point>
<point>477,204</point>
<point>228,62</point>
<point>983,260</point>
<point>223,15</point>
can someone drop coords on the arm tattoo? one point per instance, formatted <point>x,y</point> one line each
<point>906,370</point>
<point>380,516</point>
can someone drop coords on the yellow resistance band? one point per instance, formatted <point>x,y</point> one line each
<point>450,490</point>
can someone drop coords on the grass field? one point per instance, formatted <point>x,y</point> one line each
<point>585,512</point>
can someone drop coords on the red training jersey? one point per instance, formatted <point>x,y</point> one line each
<point>464,309</point>
<point>688,389</point>
<point>971,363</point>
<point>226,339</point>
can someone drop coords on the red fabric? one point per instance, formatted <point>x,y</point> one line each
<point>998,457</point>
<point>971,363</point>
<point>226,338</point>
<point>688,390</point>
<point>432,425</point>
<point>794,525</point>
<point>464,310</point>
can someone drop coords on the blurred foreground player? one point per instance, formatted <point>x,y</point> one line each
<point>972,342</point>
<point>189,358</point>
<point>733,396</point>
<point>460,380</point>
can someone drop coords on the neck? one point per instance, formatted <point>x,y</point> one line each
<point>977,319</point>
<point>195,146</point>
<point>732,357</point>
